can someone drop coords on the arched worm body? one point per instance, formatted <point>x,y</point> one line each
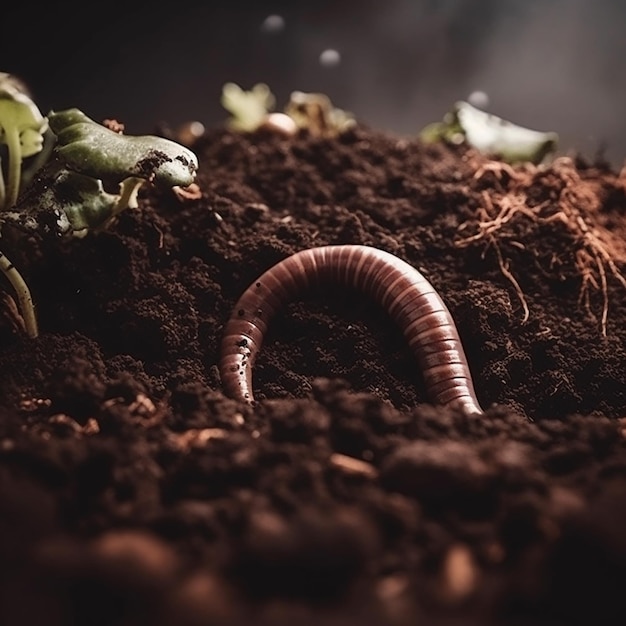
<point>399,288</point>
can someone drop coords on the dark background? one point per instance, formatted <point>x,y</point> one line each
<point>547,64</point>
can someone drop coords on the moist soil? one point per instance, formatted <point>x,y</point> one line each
<point>133,491</point>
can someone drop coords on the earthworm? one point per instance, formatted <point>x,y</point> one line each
<point>399,288</point>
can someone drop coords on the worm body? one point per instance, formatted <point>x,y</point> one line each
<point>399,288</point>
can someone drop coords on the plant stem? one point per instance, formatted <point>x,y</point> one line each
<point>24,299</point>
<point>3,191</point>
<point>12,136</point>
<point>129,188</point>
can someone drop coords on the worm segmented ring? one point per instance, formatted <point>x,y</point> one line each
<point>399,288</point>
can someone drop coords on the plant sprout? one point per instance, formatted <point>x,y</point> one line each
<point>251,110</point>
<point>68,198</point>
<point>491,135</point>
<point>22,128</point>
<point>89,148</point>
<point>248,109</point>
<point>64,203</point>
<point>315,112</point>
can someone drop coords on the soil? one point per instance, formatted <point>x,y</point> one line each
<point>133,492</point>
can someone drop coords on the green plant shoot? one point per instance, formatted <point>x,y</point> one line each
<point>316,113</point>
<point>248,109</point>
<point>89,148</point>
<point>491,135</point>
<point>22,128</point>
<point>68,198</point>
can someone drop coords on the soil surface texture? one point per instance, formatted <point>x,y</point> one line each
<point>134,492</point>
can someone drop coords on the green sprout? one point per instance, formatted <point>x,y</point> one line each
<point>63,203</point>
<point>251,110</point>
<point>316,113</point>
<point>68,198</point>
<point>248,109</point>
<point>491,135</point>
<point>89,148</point>
<point>22,128</point>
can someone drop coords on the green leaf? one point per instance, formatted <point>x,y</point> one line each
<point>495,136</point>
<point>62,202</point>
<point>315,112</point>
<point>92,149</point>
<point>18,112</point>
<point>491,135</point>
<point>21,129</point>
<point>248,109</point>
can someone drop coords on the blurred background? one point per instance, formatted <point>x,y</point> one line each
<point>395,64</point>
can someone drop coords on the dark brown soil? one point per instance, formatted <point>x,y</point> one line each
<point>132,492</point>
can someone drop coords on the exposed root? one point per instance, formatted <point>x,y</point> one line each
<point>504,268</point>
<point>597,253</point>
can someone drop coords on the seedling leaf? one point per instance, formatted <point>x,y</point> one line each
<point>92,149</point>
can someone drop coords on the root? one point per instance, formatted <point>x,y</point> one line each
<point>504,268</point>
<point>597,252</point>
